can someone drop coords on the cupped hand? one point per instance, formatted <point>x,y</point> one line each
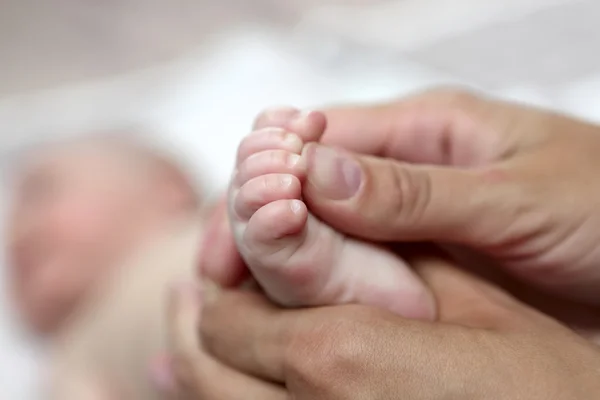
<point>515,183</point>
<point>485,346</point>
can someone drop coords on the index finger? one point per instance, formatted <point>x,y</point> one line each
<point>243,330</point>
<point>437,127</point>
<point>197,374</point>
<point>464,298</point>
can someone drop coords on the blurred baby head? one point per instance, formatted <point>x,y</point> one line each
<point>79,208</point>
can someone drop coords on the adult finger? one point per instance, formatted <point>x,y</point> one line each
<point>440,127</point>
<point>463,298</point>
<point>386,200</point>
<point>197,374</point>
<point>245,331</point>
<point>219,259</point>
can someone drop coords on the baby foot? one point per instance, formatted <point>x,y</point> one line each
<point>296,258</point>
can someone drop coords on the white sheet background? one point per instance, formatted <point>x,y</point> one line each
<point>201,104</point>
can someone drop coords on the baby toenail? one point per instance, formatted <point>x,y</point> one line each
<point>293,142</point>
<point>295,206</point>
<point>336,175</point>
<point>293,160</point>
<point>286,181</point>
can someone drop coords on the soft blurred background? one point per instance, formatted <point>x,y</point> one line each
<point>193,73</point>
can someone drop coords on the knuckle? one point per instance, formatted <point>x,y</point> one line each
<point>412,194</point>
<point>520,199</point>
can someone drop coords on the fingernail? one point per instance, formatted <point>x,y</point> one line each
<point>210,292</point>
<point>293,142</point>
<point>296,206</point>
<point>293,160</point>
<point>161,374</point>
<point>335,175</point>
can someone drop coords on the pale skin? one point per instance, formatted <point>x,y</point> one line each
<point>76,217</point>
<point>76,213</point>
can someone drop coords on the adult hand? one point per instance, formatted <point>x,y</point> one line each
<point>486,346</point>
<point>516,183</point>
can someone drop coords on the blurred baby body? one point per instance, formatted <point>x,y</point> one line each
<point>110,344</point>
<point>100,227</point>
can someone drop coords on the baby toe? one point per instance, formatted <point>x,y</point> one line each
<point>268,139</point>
<point>271,223</point>
<point>309,125</point>
<point>262,190</point>
<point>269,162</point>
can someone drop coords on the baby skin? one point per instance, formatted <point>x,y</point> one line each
<point>297,259</point>
<point>100,228</point>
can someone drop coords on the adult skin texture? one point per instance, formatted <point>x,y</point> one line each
<point>486,345</point>
<point>513,183</point>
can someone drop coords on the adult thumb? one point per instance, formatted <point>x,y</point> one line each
<point>386,200</point>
